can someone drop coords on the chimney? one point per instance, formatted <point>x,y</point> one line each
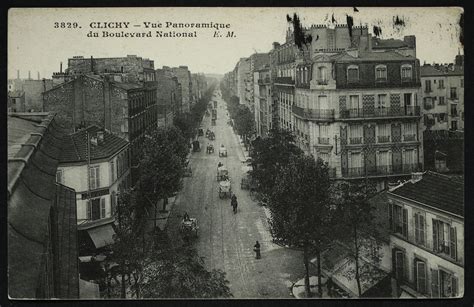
<point>100,136</point>
<point>393,185</point>
<point>18,74</point>
<point>61,67</point>
<point>29,75</point>
<point>94,141</point>
<point>416,176</point>
<point>276,45</point>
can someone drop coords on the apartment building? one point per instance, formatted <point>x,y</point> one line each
<point>443,95</point>
<point>427,236</point>
<point>263,100</point>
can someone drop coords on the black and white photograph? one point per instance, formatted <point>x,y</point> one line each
<point>235,153</point>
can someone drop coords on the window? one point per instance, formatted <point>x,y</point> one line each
<point>443,283</point>
<point>441,101</point>
<point>444,238</point>
<point>409,129</point>
<point>383,133</point>
<point>113,202</point>
<point>454,110</point>
<point>383,158</point>
<point>398,268</point>
<point>454,125</point>
<point>427,86</point>
<point>453,93</point>
<point>381,72</point>
<point>102,208</point>
<point>352,73</point>
<point>94,177</point>
<point>420,275</point>
<point>420,226</point>
<point>382,101</point>
<point>406,72</point>
<point>322,75</point>
<point>355,134</point>
<point>407,99</point>
<point>59,176</point>
<point>322,102</point>
<point>441,117</point>
<point>399,220</point>
<point>441,84</point>
<point>354,102</point>
<point>462,83</point>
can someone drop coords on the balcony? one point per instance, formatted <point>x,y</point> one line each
<point>380,112</point>
<point>355,140</point>
<point>381,170</point>
<point>284,80</point>
<point>322,82</point>
<point>383,138</point>
<point>313,114</point>
<point>409,137</point>
<point>323,141</point>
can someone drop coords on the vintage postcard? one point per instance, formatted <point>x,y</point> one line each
<point>236,153</point>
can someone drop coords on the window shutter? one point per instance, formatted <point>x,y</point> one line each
<point>421,276</point>
<point>97,177</point>
<point>102,208</point>
<point>435,235</point>
<point>453,243</point>
<point>89,210</point>
<point>454,284</point>
<point>416,223</point>
<point>390,216</point>
<point>405,223</point>
<point>434,283</point>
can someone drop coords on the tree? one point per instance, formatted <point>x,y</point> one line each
<point>357,227</point>
<point>184,124</point>
<point>270,154</point>
<point>180,273</point>
<point>300,209</point>
<point>162,166</point>
<point>244,122</point>
<point>126,251</point>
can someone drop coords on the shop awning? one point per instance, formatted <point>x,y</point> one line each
<point>102,236</point>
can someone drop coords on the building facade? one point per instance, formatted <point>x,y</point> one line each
<point>167,96</point>
<point>124,109</point>
<point>427,236</point>
<point>242,85</point>
<point>97,170</point>
<point>184,78</point>
<point>263,100</point>
<point>443,95</point>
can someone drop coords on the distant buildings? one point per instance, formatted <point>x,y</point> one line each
<point>42,233</point>
<point>263,100</point>
<point>184,78</point>
<point>443,95</point>
<point>32,90</point>
<point>427,236</point>
<point>168,91</point>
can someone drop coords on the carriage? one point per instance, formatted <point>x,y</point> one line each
<point>222,173</point>
<point>212,136</point>
<point>225,189</point>
<point>210,148</point>
<point>200,132</point>
<point>188,172</point>
<point>213,122</point>
<point>222,151</point>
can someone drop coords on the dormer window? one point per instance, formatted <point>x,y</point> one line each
<point>406,72</point>
<point>322,75</point>
<point>381,73</point>
<point>353,73</point>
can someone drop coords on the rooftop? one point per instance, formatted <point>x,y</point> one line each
<point>385,56</point>
<point>76,149</point>
<point>388,43</point>
<point>428,70</point>
<point>435,190</point>
<point>34,146</point>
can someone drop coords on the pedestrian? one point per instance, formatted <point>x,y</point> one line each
<point>186,216</point>
<point>256,249</point>
<point>234,206</point>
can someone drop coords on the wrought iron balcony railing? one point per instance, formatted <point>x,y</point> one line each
<point>313,114</point>
<point>380,112</point>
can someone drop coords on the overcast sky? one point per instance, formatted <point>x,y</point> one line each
<point>34,44</point>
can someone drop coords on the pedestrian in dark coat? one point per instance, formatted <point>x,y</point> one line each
<point>256,249</point>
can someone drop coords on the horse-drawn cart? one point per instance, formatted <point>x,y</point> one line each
<point>210,148</point>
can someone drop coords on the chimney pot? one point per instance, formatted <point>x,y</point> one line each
<point>416,176</point>
<point>100,136</point>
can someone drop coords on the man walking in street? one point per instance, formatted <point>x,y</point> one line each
<point>256,249</point>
